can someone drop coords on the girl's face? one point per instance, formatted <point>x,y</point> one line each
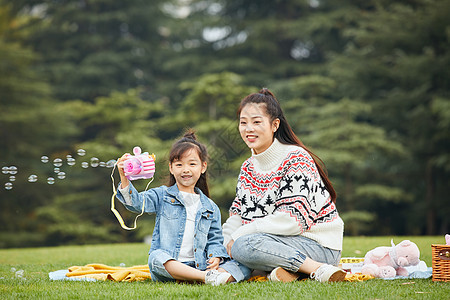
<point>187,170</point>
<point>255,127</point>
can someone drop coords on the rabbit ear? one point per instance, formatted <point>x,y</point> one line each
<point>405,243</point>
<point>392,243</point>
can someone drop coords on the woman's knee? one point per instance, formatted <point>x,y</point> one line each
<point>245,246</point>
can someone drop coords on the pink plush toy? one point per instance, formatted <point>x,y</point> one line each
<point>387,262</point>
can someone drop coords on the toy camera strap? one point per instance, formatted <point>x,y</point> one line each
<point>116,213</point>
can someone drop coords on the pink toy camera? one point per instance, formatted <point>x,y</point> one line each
<point>139,166</point>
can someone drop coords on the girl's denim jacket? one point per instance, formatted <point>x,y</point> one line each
<point>168,205</point>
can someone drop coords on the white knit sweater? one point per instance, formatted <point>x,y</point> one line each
<point>280,192</point>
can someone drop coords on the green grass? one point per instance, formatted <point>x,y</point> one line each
<point>38,262</point>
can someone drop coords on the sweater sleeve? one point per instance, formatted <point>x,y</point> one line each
<point>232,224</point>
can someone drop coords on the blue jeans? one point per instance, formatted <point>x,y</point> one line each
<point>263,251</point>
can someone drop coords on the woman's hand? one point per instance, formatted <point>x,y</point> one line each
<point>213,263</point>
<point>229,245</point>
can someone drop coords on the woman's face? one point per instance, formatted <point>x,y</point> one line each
<point>255,127</point>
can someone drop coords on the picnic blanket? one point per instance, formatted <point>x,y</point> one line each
<point>93,272</point>
<point>103,272</point>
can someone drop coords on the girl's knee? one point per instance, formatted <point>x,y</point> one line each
<point>157,269</point>
<point>154,265</point>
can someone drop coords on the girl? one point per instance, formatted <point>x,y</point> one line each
<point>284,218</point>
<point>187,239</point>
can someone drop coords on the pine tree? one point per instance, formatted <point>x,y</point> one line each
<point>31,124</point>
<point>397,60</point>
<point>91,48</point>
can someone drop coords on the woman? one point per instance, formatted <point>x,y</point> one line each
<point>283,219</point>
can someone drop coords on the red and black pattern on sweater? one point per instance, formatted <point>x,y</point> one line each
<point>294,188</point>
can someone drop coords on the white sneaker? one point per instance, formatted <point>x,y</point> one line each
<point>280,274</point>
<point>328,273</point>
<point>215,277</point>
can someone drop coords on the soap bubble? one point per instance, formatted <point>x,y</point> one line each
<point>61,175</point>
<point>56,170</point>
<point>57,162</point>
<point>110,163</point>
<point>13,270</point>
<point>12,178</point>
<point>85,164</point>
<point>122,265</point>
<point>50,180</point>
<point>32,178</point>
<point>71,161</point>
<point>8,186</point>
<point>5,170</point>
<point>102,164</point>
<point>13,170</point>
<point>44,159</point>
<point>68,156</point>
<point>94,162</point>
<point>81,152</point>
<point>19,274</point>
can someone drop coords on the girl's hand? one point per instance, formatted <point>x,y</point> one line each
<point>120,167</point>
<point>229,245</point>
<point>213,263</point>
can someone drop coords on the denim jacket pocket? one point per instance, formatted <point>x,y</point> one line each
<point>171,208</point>
<point>205,222</point>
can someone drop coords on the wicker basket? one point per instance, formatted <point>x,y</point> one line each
<point>441,262</point>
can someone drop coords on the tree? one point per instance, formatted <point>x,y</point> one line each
<point>91,48</point>
<point>31,124</point>
<point>401,68</point>
<point>264,42</point>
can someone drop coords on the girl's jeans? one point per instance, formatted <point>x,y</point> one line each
<point>237,270</point>
<point>263,251</point>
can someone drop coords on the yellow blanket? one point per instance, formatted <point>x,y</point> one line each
<point>139,273</point>
<point>104,272</point>
<point>348,277</point>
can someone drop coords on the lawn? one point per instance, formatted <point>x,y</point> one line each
<point>36,263</point>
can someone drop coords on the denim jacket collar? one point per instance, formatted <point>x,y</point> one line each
<point>206,205</point>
